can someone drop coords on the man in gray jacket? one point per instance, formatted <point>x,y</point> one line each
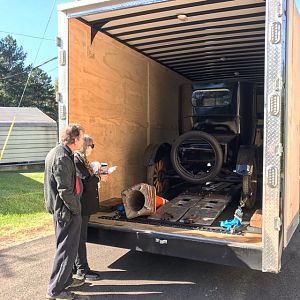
<point>62,190</point>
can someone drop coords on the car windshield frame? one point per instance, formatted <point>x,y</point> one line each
<point>199,102</point>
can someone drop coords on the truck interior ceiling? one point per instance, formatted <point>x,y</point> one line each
<point>210,162</point>
<point>201,40</point>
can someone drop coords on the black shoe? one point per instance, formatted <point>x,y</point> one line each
<point>76,283</point>
<point>63,295</point>
<point>90,276</point>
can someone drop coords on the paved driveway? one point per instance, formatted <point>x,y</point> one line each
<point>128,275</point>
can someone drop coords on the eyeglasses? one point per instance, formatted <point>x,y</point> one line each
<point>92,146</point>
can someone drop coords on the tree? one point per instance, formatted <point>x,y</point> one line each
<point>39,93</point>
<point>13,73</point>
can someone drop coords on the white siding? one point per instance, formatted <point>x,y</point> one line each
<point>27,143</point>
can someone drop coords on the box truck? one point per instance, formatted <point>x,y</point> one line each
<point>136,74</point>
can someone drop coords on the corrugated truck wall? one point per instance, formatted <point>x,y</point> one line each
<point>123,99</point>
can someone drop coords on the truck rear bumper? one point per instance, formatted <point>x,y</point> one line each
<point>201,249</point>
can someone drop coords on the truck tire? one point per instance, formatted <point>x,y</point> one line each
<point>204,176</point>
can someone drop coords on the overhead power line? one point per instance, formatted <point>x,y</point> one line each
<point>14,75</point>
<point>38,51</point>
<point>13,121</point>
<point>27,35</point>
<point>48,71</point>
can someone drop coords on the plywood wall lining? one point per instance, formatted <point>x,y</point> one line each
<point>124,101</point>
<point>292,147</point>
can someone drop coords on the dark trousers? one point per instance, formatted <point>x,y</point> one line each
<point>81,263</point>
<point>67,240</point>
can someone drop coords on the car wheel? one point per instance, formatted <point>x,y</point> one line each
<point>197,157</point>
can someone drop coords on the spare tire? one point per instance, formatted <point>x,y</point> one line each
<point>197,157</point>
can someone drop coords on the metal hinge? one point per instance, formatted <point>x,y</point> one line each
<point>275,32</point>
<point>62,57</point>
<point>279,84</point>
<point>277,223</point>
<point>59,97</point>
<point>62,112</point>
<point>274,104</point>
<point>58,42</point>
<point>280,10</point>
<point>272,176</point>
<point>279,150</point>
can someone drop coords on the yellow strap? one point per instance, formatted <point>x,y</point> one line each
<point>8,135</point>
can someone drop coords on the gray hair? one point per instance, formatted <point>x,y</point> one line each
<point>70,133</point>
<point>87,140</point>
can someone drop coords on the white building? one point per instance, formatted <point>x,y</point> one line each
<point>31,138</point>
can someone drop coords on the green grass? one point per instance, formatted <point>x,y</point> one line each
<point>22,202</point>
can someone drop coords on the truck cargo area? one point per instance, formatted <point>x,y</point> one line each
<point>136,74</point>
<point>220,41</point>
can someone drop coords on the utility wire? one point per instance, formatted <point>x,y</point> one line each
<point>39,48</point>
<point>14,119</point>
<point>14,75</point>
<point>48,71</point>
<point>27,35</point>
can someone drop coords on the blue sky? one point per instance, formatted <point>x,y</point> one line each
<point>29,17</point>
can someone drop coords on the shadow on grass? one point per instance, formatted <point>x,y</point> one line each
<point>21,192</point>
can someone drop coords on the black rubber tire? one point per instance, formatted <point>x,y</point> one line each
<point>218,157</point>
<point>251,202</point>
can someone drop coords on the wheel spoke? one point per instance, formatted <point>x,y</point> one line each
<point>158,171</point>
<point>158,165</point>
<point>158,186</point>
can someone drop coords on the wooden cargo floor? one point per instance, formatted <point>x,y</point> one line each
<point>245,239</point>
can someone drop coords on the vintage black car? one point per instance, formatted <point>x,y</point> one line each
<point>216,142</point>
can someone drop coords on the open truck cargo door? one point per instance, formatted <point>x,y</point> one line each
<point>127,59</point>
<point>274,95</point>
<point>292,124</point>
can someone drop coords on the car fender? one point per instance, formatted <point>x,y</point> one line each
<point>154,152</point>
